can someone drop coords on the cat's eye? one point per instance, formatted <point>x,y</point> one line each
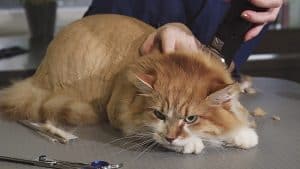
<point>159,115</point>
<point>191,119</point>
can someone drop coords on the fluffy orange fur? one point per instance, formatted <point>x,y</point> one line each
<point>93,71</point>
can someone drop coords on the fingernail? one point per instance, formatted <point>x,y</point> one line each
<point>245,15</point>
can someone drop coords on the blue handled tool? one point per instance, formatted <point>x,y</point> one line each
<point>43,161</point>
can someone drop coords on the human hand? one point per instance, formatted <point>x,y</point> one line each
<point>170,38</point>
<point>261,18</point>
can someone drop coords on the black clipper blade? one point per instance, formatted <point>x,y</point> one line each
<point>230,33</point>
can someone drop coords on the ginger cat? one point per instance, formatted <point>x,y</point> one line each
<point>93,71</point>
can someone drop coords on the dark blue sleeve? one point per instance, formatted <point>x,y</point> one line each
<point>153,12</point>
<point>201,16</point>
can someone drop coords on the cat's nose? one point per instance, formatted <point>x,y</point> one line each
<point>170,139</point>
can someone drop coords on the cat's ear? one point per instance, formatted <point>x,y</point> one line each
<point>224,95</point>
<point>145,82</point>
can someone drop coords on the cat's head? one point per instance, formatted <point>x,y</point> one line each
<point>184,96</point>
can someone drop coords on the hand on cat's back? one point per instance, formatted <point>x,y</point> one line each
<point>170,38</point>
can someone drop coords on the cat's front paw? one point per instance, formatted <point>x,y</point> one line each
<point>244,138</point>
<point>191,145</point>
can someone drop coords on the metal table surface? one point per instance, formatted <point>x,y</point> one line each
<point>279,143</point>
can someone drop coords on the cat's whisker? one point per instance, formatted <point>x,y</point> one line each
<point>152,148</point>
<point>134,140</point>
<point>147,126</point>
<point>140,148</point>
<point>144,128</point>
<point>144,134</point>
<point>119,139</point>
<point>135,146</point>
<point>137,136</point>
<point>122,138</point>
<point>146,149</point>
<point>144,142</point>
<point>142,131</point>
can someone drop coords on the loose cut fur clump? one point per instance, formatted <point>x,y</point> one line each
<point>93,71</point>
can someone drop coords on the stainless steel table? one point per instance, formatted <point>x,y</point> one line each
<point>279,146</point>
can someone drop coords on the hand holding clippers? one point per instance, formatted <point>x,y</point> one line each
<point>230,33</point>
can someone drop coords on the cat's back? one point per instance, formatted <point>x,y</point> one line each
<point>85,56</point>
<point>95,47</point>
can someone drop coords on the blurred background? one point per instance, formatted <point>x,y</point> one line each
<point>27,26</point>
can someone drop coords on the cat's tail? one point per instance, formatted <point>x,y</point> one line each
<point>25,100</point>
<point>22,101</point>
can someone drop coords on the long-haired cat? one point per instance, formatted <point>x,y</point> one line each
<point>93,71</point>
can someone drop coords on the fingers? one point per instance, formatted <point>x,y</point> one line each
<point>179,41</point>
<point>270,15</point>
<point>253,32</point>
<point>168,41</point>
<point>267,3</point>
<point>260,17</point>
<point>188,43</point>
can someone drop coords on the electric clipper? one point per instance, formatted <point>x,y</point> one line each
<point>230,33</point>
